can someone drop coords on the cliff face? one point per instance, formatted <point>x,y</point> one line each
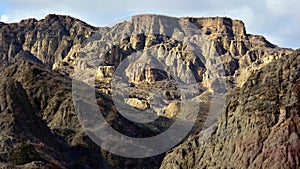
<point>202,44</point>
<point>215,52</point>
<point>259,127</point>
<point>38,120</point>
<point>49,40</point>
<point>37,113</point>
<point>56,41</point>
<point>153,53</point>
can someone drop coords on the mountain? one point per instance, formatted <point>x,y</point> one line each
<point>48,40</point>
<point>163,65</point>
<point>258,128</point>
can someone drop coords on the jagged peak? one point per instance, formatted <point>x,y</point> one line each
<point>63,18</point>
<point>49,19</point>
<point>59,17</point>
<point>28,21</point>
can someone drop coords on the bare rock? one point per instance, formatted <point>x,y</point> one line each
<point>50,40</point>
<point>139,104</point>
<point>259,127</point>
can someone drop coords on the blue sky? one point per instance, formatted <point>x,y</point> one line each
<point>3,9</point>
<point>277,20</point>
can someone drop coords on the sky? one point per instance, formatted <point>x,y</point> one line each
<point>277,20</point>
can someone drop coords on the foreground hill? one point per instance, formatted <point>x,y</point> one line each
<point>259,127</point>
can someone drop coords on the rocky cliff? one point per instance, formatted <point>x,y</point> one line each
<point>258,129</point>
<point>215,52</point>
<point>41,118</point>
<point>40,128</point>
<point>49,40</point>
<point>57,40</point>
<point>194,42</point>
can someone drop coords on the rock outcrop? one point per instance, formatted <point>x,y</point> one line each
<point>57,41</point>
<point>154,56</point>
<point>215,52</point>
<point>49,40</point>
<point>39,122</point>
<point>37,114</point>
<point>259,127</point>
<point>183,44</point>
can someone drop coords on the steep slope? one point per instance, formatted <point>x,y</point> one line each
<point>48,40</point>
<point>37,61</point>
<point>39,126</point>
<point>42,99</point>
<point>202,44</point>
<point>58,40</point>
<point>259,127</point>
<point>150,50</point>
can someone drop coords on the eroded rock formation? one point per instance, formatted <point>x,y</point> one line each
<point>258,129</point>
<point>39,127</point>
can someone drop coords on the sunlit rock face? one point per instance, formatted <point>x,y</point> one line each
<point>161,62</point>
<point>259,127</point>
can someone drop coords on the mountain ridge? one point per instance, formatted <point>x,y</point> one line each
<point>39,58</point>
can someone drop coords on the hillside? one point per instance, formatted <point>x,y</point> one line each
<point>237,92</point>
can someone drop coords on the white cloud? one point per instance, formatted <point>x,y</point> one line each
<point>4,18</point>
